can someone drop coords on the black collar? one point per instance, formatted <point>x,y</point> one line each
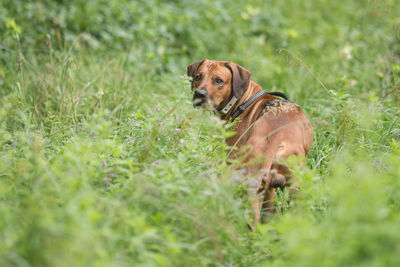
<point>253,99</point>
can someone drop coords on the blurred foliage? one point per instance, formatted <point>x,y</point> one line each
<point>104,161</point>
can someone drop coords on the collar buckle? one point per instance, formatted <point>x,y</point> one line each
<point>230,104</point>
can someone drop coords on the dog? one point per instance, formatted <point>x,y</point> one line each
<point>268,129</point>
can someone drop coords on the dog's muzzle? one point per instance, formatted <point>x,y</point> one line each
<point>200,97</point>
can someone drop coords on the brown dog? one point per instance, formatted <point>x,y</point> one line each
<point>268,129</point>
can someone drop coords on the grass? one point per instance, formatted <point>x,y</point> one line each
<point>104,161</point>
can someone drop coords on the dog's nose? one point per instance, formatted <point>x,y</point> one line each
<point>200,93</point>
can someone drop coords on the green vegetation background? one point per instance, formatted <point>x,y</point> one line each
<point>104,161</point>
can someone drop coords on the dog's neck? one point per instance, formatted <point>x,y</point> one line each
<point>251,90</point>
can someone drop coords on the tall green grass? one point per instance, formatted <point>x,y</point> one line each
<point>104,161</point>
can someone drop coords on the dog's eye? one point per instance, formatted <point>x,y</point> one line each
<point>218,80</point>
<point>197,78</point>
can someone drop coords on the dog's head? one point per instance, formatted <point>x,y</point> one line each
<point>215,82</point>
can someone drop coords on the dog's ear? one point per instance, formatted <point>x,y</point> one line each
<point>192,68</point>
<point>240,79</point>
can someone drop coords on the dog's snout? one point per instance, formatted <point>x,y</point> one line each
<point>200,97</point>
<point>200,93</point>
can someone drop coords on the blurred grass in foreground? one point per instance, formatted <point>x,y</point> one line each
<point>104,161</point>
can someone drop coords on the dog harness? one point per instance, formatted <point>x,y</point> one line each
<point>257,96</point>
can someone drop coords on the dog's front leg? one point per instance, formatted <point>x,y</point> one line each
<point>267,207</point>
<point>262,202</point>
<point>256,200</point>
<point>263,199</point>
<point>261,196</point>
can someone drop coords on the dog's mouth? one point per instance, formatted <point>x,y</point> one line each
<point>203,102</point>
<point>198,102</point>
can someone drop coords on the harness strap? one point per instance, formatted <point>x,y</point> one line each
<point>257,96</point>
<point>280,94</point>
<point>268,104</point>
<point>246,104</point>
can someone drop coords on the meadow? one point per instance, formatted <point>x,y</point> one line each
<point>105,162</point>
